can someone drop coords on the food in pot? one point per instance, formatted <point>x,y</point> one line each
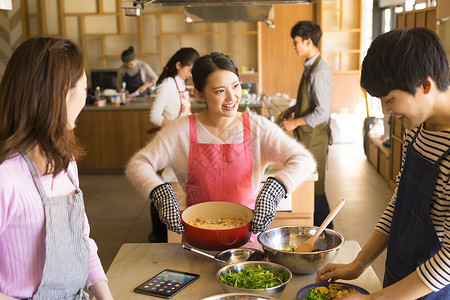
<point>253,278</point>
<point>215,224</point>
<point>334,291</point>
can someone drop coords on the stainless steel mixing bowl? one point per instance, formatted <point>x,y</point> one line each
<point>237,255</point>
<point>271,267</point>
<point>279,242</point>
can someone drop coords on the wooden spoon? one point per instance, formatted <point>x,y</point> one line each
<point>308,245</point>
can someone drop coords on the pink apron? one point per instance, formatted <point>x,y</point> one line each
<point>220,172</point>
<point>185,100</point>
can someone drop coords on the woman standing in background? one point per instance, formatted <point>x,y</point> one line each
<point>45,249</point>
<point>137,75</point>
<point>172,99</point>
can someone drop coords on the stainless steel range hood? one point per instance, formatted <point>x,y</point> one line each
<point>214,10</point>
<point>227,13</point>
<point>221,2</point>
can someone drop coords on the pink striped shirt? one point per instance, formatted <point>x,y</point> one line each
<point>22,227</point>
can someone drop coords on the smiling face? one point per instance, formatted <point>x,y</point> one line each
<point>411,110</point>
<point>221,93</point>
<point>75,100</point>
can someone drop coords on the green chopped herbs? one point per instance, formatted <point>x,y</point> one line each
<point>315,295</point>
<point>253,278</point>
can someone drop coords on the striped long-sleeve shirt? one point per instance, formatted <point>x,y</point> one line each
<point>435,272</point>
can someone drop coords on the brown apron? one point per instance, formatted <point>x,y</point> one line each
<point>316,139</point>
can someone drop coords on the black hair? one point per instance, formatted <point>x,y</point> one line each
<point>307,30</point>
<point>186,57</point>
<point>402,59</point>
<point>128,55</point>
<point>208,64</point>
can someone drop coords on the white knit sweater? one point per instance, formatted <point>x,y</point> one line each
<point>170,148</point>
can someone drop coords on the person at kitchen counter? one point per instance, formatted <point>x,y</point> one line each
<point>220,154</point>
<point>172,98</point>
<point>172,102</point>
<point>46,252</point>
<point>313,107</point>
<point>408,70</point>
<point>137,75</point>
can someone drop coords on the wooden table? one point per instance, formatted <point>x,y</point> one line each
<point>135,263</point>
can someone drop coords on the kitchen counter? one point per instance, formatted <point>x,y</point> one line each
<point>146,104</point>
<point>111,134</point>
<point>135,263</point>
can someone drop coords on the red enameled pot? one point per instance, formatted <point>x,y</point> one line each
<point>216,239</point>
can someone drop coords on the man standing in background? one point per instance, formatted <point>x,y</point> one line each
<point>312,110</point>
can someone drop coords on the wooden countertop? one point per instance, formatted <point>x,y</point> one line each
<point>135,263</point>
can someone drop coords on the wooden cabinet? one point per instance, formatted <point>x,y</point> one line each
<point>397,131</point>
<point>417,18</point>
<point>280,68</point>
<point>103,32</point>
<point>341,24</point>
<point>379,156</point>
<point>111,137</point>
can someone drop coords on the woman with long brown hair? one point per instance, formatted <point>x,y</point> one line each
<point>46,252</point>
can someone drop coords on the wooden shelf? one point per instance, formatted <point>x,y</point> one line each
<point>155,36</point>
<point>379,155</point>
<point>341,26</point>
<point>417,18</point>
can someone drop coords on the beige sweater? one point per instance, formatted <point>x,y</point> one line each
<point>170,148</point>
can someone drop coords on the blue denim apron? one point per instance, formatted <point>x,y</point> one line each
<point>413,239</point>
<point>134,82</point>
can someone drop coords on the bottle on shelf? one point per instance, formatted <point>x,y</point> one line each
<point>98,93</point>
<point>247,106</point>
<point>123,96</point>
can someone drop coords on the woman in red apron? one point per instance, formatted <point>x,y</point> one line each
<point>45,249</point>
<point>220,154</point>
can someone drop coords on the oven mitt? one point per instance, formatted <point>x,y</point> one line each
<point>266,204</point>
<point>166,204</point>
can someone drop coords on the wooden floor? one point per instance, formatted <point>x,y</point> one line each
<point>118,214</point>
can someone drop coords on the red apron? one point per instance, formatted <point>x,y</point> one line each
<point>185,100</point>
<point>220,172</point>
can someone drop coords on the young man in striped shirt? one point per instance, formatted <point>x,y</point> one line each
<point>408,70</point>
